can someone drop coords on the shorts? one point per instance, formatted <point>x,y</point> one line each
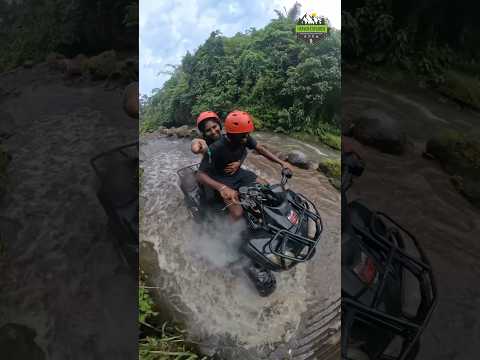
<point>241,178</point>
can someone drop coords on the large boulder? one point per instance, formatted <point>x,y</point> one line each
<point>299,159</point>
<point>377,129</point>
<point>170,132</point>
<point>102,65</point>
<point>55,61</point>
<point>331,168</point>
<point>182,131</point>
<point>76,66</point>
<point>194,133</point>
<point>131,99</point>
<point>125,71</point>
<point>459,155</point>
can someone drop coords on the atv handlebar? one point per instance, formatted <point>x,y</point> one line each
<point>286,174</point>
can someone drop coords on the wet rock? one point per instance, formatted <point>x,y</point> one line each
<point>331,168</point>
<point>102,65</point>
<point>17,342</point>
<point>298,159</point>
<point>182,131</point>
<point>76,66</point>
<point>126,71</point>
<point>194,133</point>
<point>55,61</point>
<point>458,154</point>
<point>377,129</point>
<point>280,130</point>
<point>130,100</point>
<point>313,164</point>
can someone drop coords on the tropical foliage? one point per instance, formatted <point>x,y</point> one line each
<point>30,29</point>
<point>435,42</point>
<point>285,83</point>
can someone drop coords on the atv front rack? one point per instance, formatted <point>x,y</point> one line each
<point>392,258</point>
<point>187,169</point>
<point>118,149</point>
<point>284,239</point>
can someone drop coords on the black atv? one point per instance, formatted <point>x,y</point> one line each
<point>117,169</point>
<point>388,289</point>
<point>284,227</point>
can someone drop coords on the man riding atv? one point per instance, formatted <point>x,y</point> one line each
<point>220,168</point>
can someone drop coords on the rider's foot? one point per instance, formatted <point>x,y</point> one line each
<point>263,279</point>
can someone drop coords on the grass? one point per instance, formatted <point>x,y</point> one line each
<point>459,154</point>
<point>159,341</point>
<point>331,168</point>
<point>322,137</point>
<point>460,83</point>
<point>332,140</point>
<point>462,87</point>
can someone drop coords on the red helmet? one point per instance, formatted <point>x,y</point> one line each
<point>238,122</point>
<point>207,115</point>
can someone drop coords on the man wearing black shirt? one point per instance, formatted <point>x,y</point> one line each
<point>221,169</point>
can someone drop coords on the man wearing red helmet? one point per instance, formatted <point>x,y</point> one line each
<point>216,169</point>
<point>208,123</point>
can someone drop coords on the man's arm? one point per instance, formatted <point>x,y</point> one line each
<point>226,193</point>
<point>264,152</point>
<point>204,179</point>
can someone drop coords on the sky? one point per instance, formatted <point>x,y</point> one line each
<point>168,29</point>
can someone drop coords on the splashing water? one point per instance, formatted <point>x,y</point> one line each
<point>196,275</point>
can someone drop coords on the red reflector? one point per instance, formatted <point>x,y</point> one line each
<point>293,217</point>
<point>366,270</point>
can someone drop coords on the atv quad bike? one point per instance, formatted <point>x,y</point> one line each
<point>388,289</point>
<point>117,169</point>
<point>284,227</point>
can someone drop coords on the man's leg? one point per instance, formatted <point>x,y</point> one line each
<point>235,211</point>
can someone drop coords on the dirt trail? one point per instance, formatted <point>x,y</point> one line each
<point>61,274</point>
<point>419,194</point>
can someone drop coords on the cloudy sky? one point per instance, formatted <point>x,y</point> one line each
<point>169,28</point>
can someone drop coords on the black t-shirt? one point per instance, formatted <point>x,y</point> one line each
<point>222,152</point>
<point>208,140</point>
